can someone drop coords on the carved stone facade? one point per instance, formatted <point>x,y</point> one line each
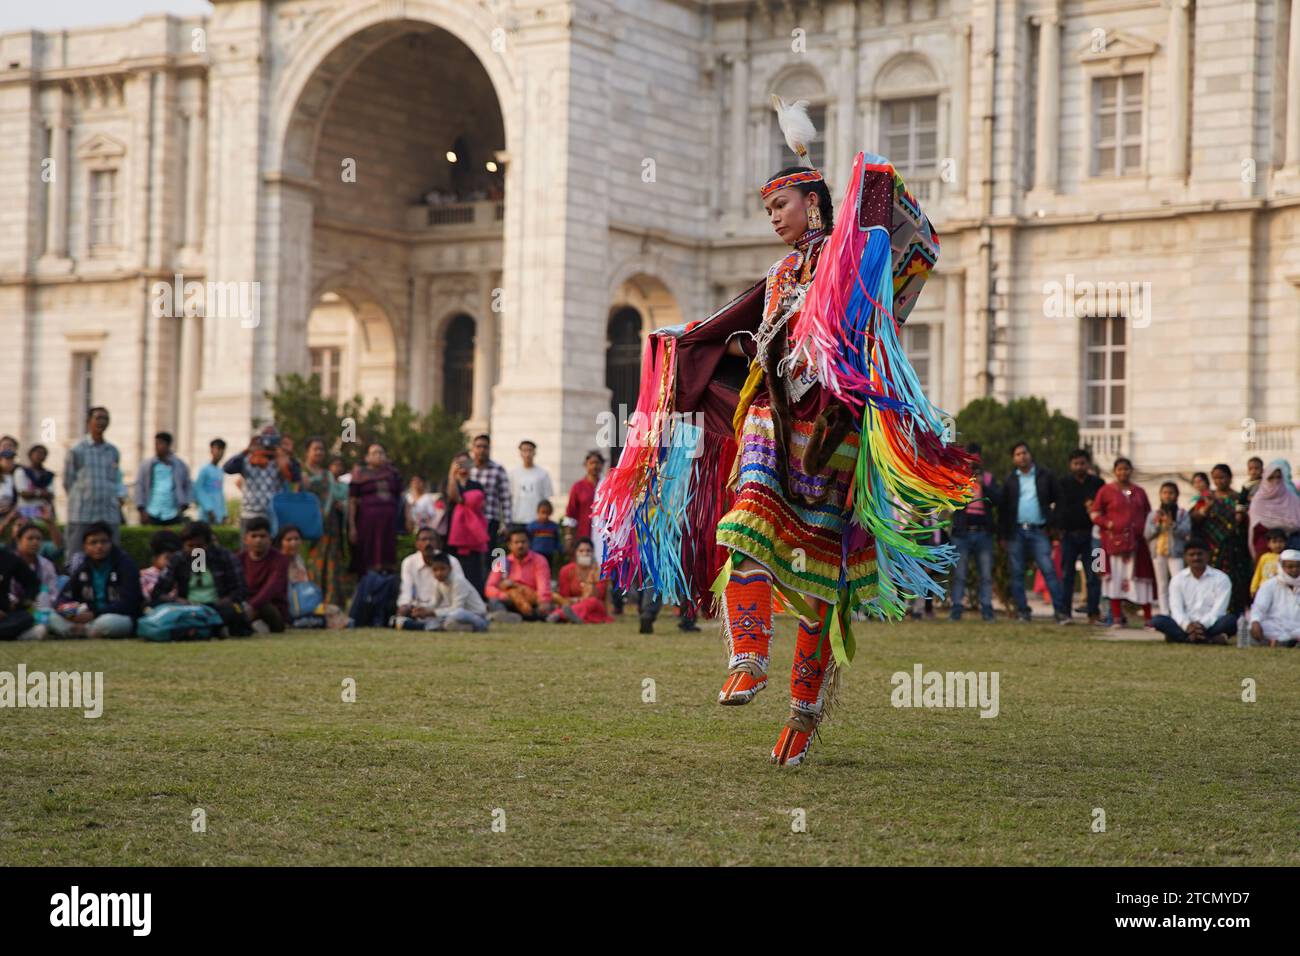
<point>1146,150</point>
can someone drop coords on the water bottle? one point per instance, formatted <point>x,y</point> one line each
<point>1243,632</point>
<point>43,603</point>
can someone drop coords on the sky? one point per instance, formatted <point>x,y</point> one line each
<point>59,14</point>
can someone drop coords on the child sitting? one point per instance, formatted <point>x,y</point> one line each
<point>162,545</point>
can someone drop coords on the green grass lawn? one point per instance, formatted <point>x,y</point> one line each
<point>548,725</point>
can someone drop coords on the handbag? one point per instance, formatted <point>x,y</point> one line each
<point>179,622</point>
<point>300,508</point>
<point>304,598</point>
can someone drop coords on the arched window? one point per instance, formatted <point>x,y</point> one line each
<point>458,366</point>
<point>623,364</point>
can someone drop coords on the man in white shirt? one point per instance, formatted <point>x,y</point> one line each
<point>1198,602</point>
<point>435,595</point>
<point>1276,611</point>
<point>529,485</point>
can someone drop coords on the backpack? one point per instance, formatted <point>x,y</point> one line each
<point>179,622</point>
<point>304,598</point>
<point>375,601</point>
<point>300,508</point>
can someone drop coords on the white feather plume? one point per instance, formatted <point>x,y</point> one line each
<point>796,125</point>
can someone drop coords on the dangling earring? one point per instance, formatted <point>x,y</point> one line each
<point>814,217</point>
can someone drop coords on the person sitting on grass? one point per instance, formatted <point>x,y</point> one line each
<point>102,594</point>
<point>519,587</point>
<point>1266,566</point>
<point>266,574</point>
<point>442,601</point>
<point>1198,601</point>
<point>203,572</point>
<point>583,594</point>
<point>162,545</point>
<point>1276,611</point>
<point>27,547</point>
<point>15,576</point>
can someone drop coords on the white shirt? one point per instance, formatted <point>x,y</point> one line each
<point>456,594</point>
<point>1277,609</point>
<point>1204,599</point>
<point>418,583</point>
<point>422,509</point>
<point>528,486</point>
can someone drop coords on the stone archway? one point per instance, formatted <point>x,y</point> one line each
<point>362,140</point>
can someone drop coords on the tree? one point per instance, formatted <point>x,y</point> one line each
<point>996,427</point>
<point>417,444</point>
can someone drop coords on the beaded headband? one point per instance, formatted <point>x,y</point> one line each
<point>793,179</point>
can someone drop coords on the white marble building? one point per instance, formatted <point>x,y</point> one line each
<point>1150,146</point>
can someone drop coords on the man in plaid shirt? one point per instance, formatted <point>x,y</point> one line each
<point>91,474</point>
<point>496,487</point>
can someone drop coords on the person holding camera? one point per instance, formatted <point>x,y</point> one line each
<point>267,467</point>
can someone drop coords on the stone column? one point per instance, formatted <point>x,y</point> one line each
<point>195,168</point>
<point>56,207</point>
<point>846,109</point>
<point>739,149</point>
<point>1293,92</point>
<point>485,352</point>
<point>1049,107</point>
<point>187,385</point>
<point>1179,108</point>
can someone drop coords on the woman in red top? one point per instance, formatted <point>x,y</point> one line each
<point>577,516</point>
<point>1120,512</point>
<point>582,593</point>
<point>467,537</point>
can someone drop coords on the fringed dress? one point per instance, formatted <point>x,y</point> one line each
<point>714,468</point>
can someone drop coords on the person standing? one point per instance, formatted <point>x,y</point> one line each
<point>9,513</point>
<point>1028,497</point>
<point>467,529</point>
<point>1254,475</point>
<point>496,491</point>
<point>1167,531</point>
<point>1198,602</point>
<point>90,476</point>
<point>1075,493</point>
<point>162,485</point>
<point>34,484</point>
<point>1219,518</point>
<point>267,469</point>
<point>375,505</point>
<point>530,485</point>
<point>324,555</point>
<point>1275,503</point>
<point>582,495</point>
<point>1120,510</point>
<point>210,486</point>
<point>972,533</point>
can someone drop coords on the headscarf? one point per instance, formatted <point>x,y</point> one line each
<point>1276,505</point>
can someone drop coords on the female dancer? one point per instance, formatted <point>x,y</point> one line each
<point>805,478</point>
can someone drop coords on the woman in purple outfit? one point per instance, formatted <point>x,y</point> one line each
<point>374,507</point>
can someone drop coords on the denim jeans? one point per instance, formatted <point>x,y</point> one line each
<point>1225,626</point>
<point>1077,545</point>
<point>980,542</point>
<point>1040,547</point>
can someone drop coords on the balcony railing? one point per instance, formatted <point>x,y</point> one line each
<point>1106,444</point>
<point>486,214</point>
<point>1274,438</point>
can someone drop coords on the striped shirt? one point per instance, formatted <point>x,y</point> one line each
<point>496,488</point>
<point>90,477</point>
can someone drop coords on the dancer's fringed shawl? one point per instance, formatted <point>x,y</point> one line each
<point>660,506</point>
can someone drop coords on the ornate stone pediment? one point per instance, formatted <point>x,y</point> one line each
<point>101,147</point>
<point>1103,45</point>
